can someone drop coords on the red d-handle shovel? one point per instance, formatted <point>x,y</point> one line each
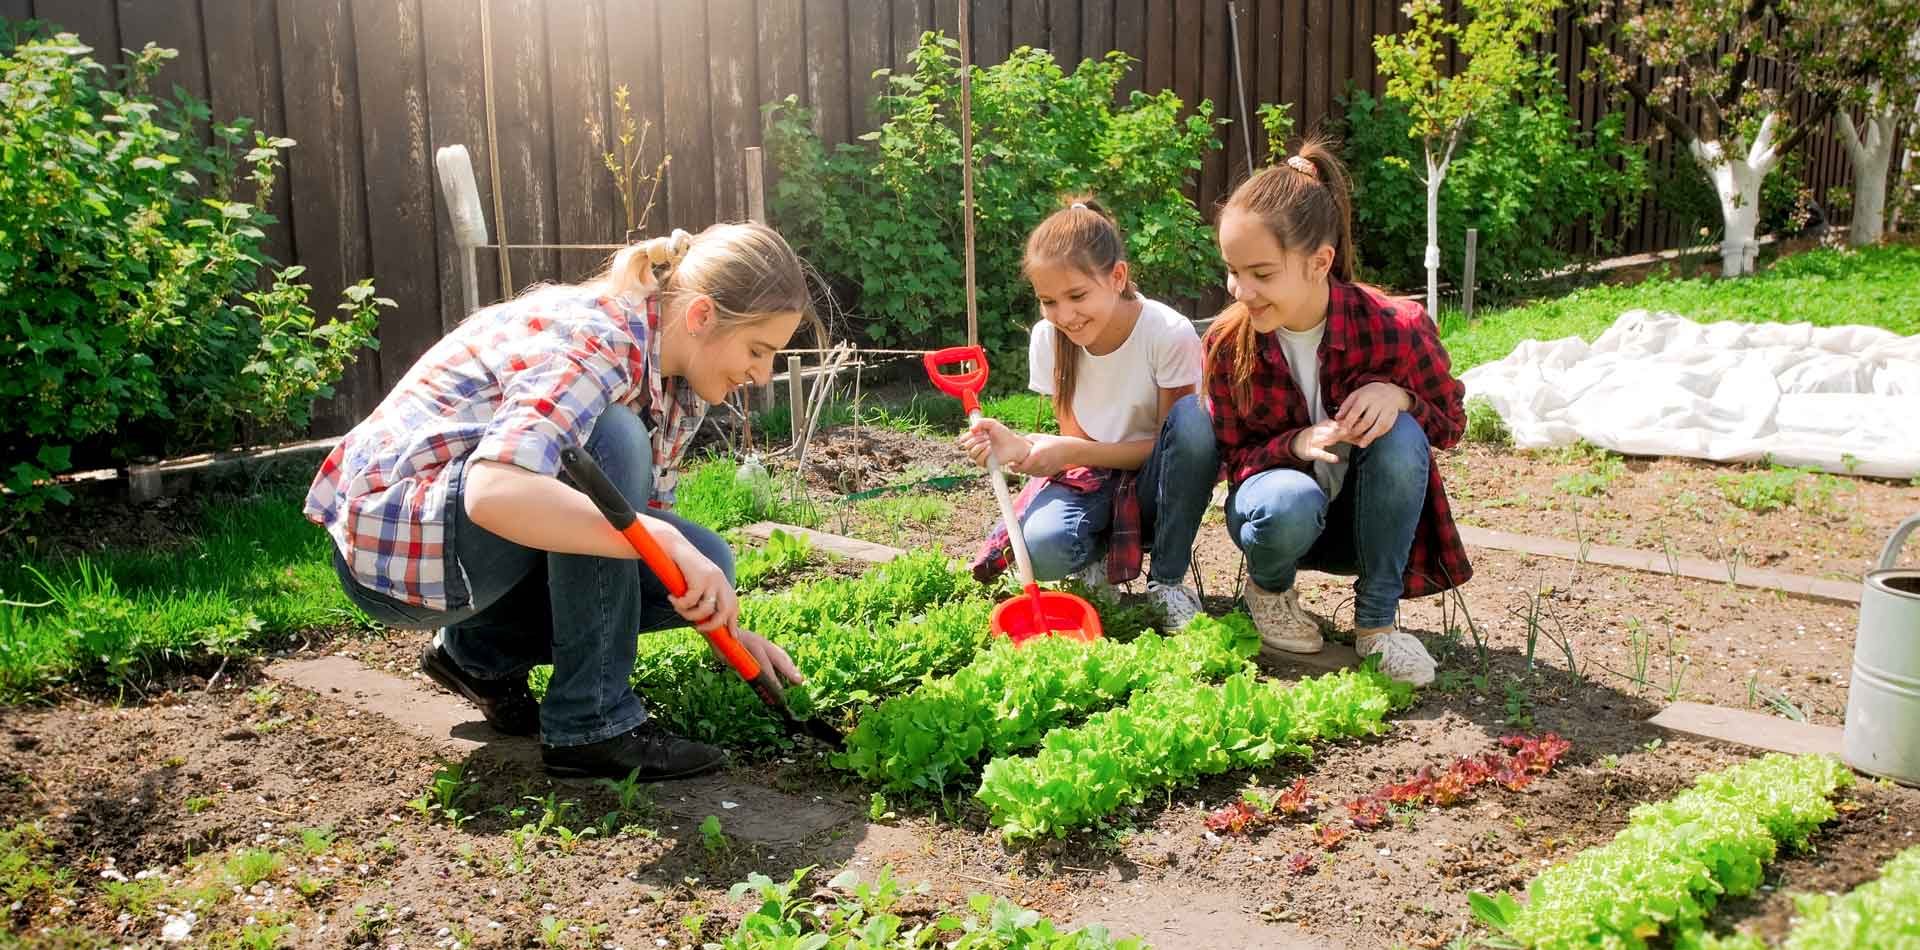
<point>1038,612</point>
<point>588,477</point>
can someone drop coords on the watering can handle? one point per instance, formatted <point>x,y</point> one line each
<point>965,385</point>
<point>1899,540</point>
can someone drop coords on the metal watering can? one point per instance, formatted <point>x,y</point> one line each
<point>1882,735</point>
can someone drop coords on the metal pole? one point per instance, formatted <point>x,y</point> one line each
<point>966,165</point>
<point>756,185</point>
<point>1240,79</point>
<point>1466,289</point>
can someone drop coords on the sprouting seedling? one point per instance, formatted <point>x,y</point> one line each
<point>711,835</point>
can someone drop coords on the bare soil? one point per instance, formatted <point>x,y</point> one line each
<point>182,783</point>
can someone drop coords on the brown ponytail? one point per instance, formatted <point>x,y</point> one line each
<point>1084,236</point>
<point>1305,201</point>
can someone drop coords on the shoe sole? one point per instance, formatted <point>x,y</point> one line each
<point>1299,647</point>
<point>566,771</point>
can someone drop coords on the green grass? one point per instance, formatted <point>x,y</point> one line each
<point>257,573</point>
<point>713,494</point>
<point>927,414</point>
<point>1878,286</point>
<point>922,510</point>
<point>1770,489</point>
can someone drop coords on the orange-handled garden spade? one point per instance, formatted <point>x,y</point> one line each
<point>1036,612</point>
<point>588,477</point>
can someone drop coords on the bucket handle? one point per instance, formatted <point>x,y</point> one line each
<point>1898,541</point>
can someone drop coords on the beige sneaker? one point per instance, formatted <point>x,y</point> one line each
<point>1402,657</point>
<point>1094,578</point>
<point>1177,601</point>
<point>1283,624</point>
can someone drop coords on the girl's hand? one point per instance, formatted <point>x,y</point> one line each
<point>1047,457</point>
<point>1312,443</point>
<point>1369,412</point>
<point>770,656</point>
<point>1007,445</point>
<point>709,602</point>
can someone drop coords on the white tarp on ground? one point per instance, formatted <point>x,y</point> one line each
<point>1835,398</point>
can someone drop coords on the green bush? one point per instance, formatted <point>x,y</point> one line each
<point>1526,177</point>
<point>883,217</point>
<point>143,316</point>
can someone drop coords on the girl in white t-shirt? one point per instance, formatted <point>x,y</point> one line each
<point>1134,464</point>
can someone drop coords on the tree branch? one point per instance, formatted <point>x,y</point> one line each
<point>1743,65</point>
<point>1823,107</point>
<point>1642,95</point>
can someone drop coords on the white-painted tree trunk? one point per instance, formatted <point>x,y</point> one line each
<point>1436,173</point>
<point>1736,180</point>
<point>1872,157</point>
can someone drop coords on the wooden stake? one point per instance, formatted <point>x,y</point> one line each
<point>756,185</point>
<point>1466,282</point>
<point>796,402</point>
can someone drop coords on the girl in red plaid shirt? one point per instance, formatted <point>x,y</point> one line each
<point>1328,398</point>
<point>446,513</point>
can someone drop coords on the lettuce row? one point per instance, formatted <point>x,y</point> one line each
<point>1884,912</point>
<point>1667,868</point>
<point>1171,734</point>
<point>1009,697</point>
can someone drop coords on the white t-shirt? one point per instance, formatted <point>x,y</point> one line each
<point>1116,397</point>
<point>1302,349</point>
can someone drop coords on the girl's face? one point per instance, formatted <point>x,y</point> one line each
<point>1278,287</point>
<point>1083,306</point>
<point>722,361</point>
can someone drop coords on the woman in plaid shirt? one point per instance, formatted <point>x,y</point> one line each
<point>446,513</point>
<point>1327,400</point>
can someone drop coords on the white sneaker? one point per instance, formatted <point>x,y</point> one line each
<point>1402,657</point>
<point>1177,601</point>
<point>1094,578</point>
<point>1283,624</point>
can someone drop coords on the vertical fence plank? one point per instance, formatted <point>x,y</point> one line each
<point>633,60</point>
<point>399,180</point>
<point>243,72</point>
<point>96,22</point>
<point>911,18</point>
<point>1340,51</point>
<point>869,47</point>
<point>1215,66</point>
<point>456,115</point>
<point>1130,37</point>
<point>1159,45</point>
<point>16,9</point>
<point>588,205</point>
<point>1249,75</point>
<point>174,24</point>
<point>1063,29</point>
<point>688,118</point>
<point>1264,57</point>
<point>1319,52</point>
<point>946,17</point>
<point>735,87</point>
<point>1027,24</point>
<point>782,43</point>
<point>827,67</point>
<point>992,28</point>
<point>1096,28</point>
<point>523,120</point>
<point>325,178</point>
<point>1384,24</point>
<point>1364,65</point>
<point>1293,70</point>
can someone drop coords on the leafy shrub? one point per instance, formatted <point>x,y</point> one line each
<point>883,217</point>
<point>1484,424</point>
<point>144,315</point>
<point>1526,178</point>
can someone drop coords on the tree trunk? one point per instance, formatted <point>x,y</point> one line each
<point>1736,180</point>
<point>1872,157</point>
<point>1436,173</point>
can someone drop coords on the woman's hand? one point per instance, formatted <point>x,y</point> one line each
<point>1007,445</point>
<point>769,655</point>
<point>709,602</point>
<point>1313,442</point>
<point>1047,456</point>
<point>1370,411</point>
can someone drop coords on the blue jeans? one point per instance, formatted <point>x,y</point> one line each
<point>1066,529</point>
<point>1281,520</point>
<point>580,613</point>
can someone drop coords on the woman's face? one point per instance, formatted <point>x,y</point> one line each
<point>1081,305</point>
<point>1278,287</point>
<point>725,360</point>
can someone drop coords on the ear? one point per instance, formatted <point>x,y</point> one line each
<point>1120,277</point>
<point>1320,262</point>
<point>699,314</point>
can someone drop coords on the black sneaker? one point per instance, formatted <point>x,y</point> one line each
<point>648,747</point>
<point>508,705</point>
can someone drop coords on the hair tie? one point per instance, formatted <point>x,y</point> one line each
<point>1303,166</point>
<point>1079,206</point>
<point>668,250</point>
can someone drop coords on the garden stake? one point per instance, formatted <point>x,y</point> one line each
<point>588,477</point>
<point>1038,612</point>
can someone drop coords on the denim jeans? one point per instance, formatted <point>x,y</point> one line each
<point>1066,529</point>
<point>579,612</point>
<point>1281,520</point>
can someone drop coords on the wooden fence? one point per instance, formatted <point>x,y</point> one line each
<point>370,88</point>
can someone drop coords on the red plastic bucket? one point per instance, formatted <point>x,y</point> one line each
<point>1060,614</point>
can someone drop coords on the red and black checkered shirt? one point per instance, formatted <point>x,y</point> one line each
<point>1369,339</point>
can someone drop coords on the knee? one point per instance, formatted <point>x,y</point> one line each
<point>623,447</point>
<point>715,547</point>
<point>1401,457</point>
<point>1281,515</point>
<point>1189,428</point>
<point>1054,550</point>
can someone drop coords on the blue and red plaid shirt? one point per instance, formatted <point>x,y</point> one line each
<point>515,383</point>
<point>1369,339</point>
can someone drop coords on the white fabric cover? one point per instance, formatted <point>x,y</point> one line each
<point>1660,384</point>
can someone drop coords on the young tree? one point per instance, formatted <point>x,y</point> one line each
<point>1708,49</point>
<point>1492,44</point>
<point>1889,102</point>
